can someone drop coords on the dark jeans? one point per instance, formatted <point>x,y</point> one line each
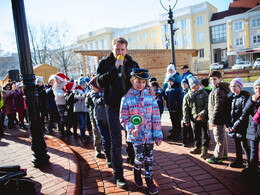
<point>200,134</point>
<point>54,117</point>
<point>187,134</point>
<point>11,118</point>
<point>106,140</point>
<point>253,165</point>
<point>176,123</point>
<point>82,120</point>
<point>116,141</point>
<point>242,145</point>
<point>62,110</point>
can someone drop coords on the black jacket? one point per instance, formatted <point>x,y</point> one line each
<point>236,106</point>
<point>248,113</point>
<point>115,87</point>
<point>173,97</point>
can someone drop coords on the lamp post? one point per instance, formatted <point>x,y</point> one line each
<point>40,157</point>
<point>172,4</point>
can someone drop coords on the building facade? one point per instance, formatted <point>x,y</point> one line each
<point>193,33</point>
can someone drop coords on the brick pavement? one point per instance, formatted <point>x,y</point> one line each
<point>75,169</point>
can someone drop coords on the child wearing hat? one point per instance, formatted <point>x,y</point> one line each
<point>237,103</point>
<point>58,90</point>
<point>72,121</point>
<point>100,118</point>
<point>252,134</point>
<point>42,100</point>
<point>195,114</point>
<point>187,135</point>
<point>140,100</point>
<point>159,95</point>
<point>80,109</point>
<point>173,100</point>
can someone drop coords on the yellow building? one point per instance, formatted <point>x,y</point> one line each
<point>193,33</point>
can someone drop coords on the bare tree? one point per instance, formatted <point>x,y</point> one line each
<point>63,46</point>
<point>40,39</point>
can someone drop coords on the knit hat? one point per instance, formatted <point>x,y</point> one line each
<point>257,82</point>
<point>61,76</point>
<point>184,81</point>
<point>52,77</point>
<point>152,79</point>
<point>39,79</point>
<point>171,79</point>
<point>171,67</point>
<point>82,81</point>
<point>193,81</point>
<point>93,82</point>
<point>87,79</point>
<point>238,81</point>
<point>70,86</point>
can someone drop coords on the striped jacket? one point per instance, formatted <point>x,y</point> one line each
<point>144,104</point>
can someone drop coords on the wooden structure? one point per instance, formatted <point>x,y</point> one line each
<point>43,70</point>
<point>154,60</point>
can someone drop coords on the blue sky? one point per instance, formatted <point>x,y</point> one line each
<point>87,15</point>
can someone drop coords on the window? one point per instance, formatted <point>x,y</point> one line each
<point>255,22</point>
<point>238,25</point>
<point>145,36</point>
<point>183,24</point>
<point>146,47</point>
<point>201,53</point>
<point>137,38</point>
<point>155,45</point>
<point>184,38</point>
<point>256,39</point>
<point>200,37</point>
<point>129,39</point>
<point>199,20</point>
<point>153,34</point>
<point>137,47</point>
<point>166,28</point>
<point>218,33</point>
<point>239,41</point>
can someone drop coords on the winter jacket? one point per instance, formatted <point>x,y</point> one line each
<point>50,99</point>
<point>8,100</point>
<point>80,97</point>
<point>90,106</point>
<point>42,97</point>
<point>253,129</point>
<point>257,116</point>
<point>173,98</point>
<point>185,75</point>
<point>144,104</point>
<point>159,98</point>
<point>177,78</point>
<point>1,100</point>
<point>218,104</point>
<point>19,101</point>
<point>58,90</point>
<point>236,106</point>
<point>114,86</point>
<point>99,106</point>
<point>195,104</point>
<point>70,114</point>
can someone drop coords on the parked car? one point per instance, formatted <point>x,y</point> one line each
<point>257,63</point>
<point>242,65</point>
<point>217,65</point>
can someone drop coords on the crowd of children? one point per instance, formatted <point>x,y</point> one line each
<point>193,107</point>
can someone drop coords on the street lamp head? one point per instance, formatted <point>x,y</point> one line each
<point>168,3</point>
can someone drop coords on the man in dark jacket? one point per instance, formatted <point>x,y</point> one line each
<point>114,77</point>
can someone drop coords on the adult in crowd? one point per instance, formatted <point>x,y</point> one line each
<point>114,77</point>
<point>186,72</point>
<point>171,72</point>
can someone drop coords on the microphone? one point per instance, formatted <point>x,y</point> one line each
<point>120,67</point>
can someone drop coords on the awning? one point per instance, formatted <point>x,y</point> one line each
<point>231,53</point>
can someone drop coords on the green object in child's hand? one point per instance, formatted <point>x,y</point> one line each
<point>136,120</point>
